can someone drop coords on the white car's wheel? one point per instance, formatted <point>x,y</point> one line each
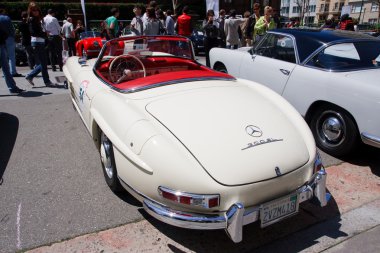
<point>220,67</point>
<point>334,130</point>
<point>108,161</point>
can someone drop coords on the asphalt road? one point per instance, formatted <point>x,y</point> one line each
<point>52,185</point>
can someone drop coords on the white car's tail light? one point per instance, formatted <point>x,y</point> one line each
<point>202,200</point>
<point>318,163</point>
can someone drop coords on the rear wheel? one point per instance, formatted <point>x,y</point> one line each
<point>220,67</point>
<point>108,161</point>
<point>334,130</point>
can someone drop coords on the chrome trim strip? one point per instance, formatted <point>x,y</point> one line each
<point>370,139</point>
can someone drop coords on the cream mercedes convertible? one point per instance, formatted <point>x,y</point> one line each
<point>201,149</point>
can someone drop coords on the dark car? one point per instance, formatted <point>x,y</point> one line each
<point>197,37</point>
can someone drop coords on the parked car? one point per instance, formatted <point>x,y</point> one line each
<point>90,44</point>
<point>330,77</point>
<point>201,149</point>
<point>197,37</point>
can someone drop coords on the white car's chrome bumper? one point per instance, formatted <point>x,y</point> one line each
<point>237,215</point>
<point>370,139</point>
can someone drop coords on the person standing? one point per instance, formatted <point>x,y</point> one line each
<point>231,27</point>
<point>152,25</point>
<point>25,39</point>
<point>152,4</point>
<point>53,30</point>
<point>78,30</point>
<point>113,23</point>
<point>255,18</point>
<point>162,18</point>
<point>183,25</point>
<point>210,27</point>
<point>10,41</point>
<point>38,39</point>
<point>222,35</point>
<point>169,23</point>
<point>264,23</point>
<point>137,25</point>
<point>10,82</point>
<point>247,30</point>
<point>69,35</point>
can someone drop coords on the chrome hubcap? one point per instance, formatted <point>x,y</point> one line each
<point>331,128</point>
<point>105,153</point>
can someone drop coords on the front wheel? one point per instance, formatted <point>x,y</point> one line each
<point>109,165</point>
<point>221,68</point>
<point>334,130</point>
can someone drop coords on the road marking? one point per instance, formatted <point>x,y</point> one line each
<point>18,226</point>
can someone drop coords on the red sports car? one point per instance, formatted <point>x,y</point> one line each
<point>91,43</point>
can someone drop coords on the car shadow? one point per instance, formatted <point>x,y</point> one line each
<point>128,198</point>
<point>366,156</point>
<point>9,125</point>
<point>254,236</point>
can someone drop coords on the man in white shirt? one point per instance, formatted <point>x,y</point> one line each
<point>53,30</point>
<point>231,27</point>
<point>137,23</point>
<point>67,31</point>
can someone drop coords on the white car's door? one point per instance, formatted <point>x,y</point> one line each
<point>271,63</point>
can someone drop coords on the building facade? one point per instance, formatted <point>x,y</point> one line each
<point>366,14</point>
<point>301,10</point>
<point>364,11</point>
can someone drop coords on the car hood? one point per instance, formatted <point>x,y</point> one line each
<point>238,135</point>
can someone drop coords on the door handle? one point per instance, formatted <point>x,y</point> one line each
<point>285,72</point>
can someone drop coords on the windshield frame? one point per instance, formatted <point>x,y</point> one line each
<point>166,37</point>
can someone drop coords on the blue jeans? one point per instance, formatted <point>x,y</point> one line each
<point>11,49</point>
<point>5,66</point>
<point>41,62</point>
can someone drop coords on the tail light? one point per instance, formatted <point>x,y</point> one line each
<point>202,200</point>
<point>318,163</point>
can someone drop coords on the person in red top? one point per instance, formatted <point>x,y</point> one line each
<point>183,25</point>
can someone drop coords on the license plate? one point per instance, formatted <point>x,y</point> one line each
<point>278,209</point>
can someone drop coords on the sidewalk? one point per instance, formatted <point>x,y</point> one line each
<point>353,210</point>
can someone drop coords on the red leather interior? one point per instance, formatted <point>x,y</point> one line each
<point>163,69</point>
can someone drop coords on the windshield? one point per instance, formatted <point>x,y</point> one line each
<point>89,34</point>
<point>149,46</point>
<point>348,56</point>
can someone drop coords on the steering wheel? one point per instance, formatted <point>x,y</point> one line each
<point>126,67</point>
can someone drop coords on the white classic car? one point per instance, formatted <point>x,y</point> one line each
<point>199,148</point>
<point>330,77</point>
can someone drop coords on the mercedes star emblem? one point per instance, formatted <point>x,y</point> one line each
<point>254,131</point>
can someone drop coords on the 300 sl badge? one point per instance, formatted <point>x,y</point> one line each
<point>255,131</point>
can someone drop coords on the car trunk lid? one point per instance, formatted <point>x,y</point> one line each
<point>236,134</point>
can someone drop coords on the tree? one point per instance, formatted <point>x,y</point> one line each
<point>303,6</point>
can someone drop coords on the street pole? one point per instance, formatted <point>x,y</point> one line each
<point>360,14</point>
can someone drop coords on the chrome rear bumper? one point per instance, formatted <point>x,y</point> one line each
<point>237,215</point>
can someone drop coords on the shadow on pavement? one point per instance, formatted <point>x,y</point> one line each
<point>128,198</point>
<point>366,156</point>
<point>9,125</point>
<point>32,94</point>
<point>254,236</point>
